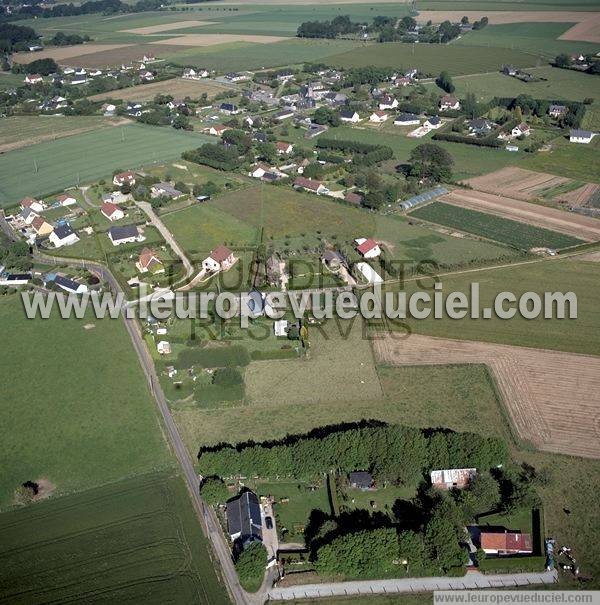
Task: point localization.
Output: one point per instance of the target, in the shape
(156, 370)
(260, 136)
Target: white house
(123, 178)
(33, 79)
(163, 347)
(220, 259)
(259, 171)
(310, 185)
(350, 116)
(449, 102)
(432, 123)
(367, 248)
(521, 130)
(218, 129)
(66, 200)
(147, 76)
(28, 215)
(580, 136)
(125, 234)
(407, 119)
(63, 235)
(284, 148)
(69, 285)
(378, 117)
(193, 74)
(452, 478)
(388, 102)
(112, 212)
(32, 204)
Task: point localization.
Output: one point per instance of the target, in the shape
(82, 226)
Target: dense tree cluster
(250, 566)
(341, 25)
(214, 491)
(62, 39)
(364, 154)
(395, 453)
(16, 37)
(367, 75)
(15, 256)
(539, 108)
(444, 81)
(216, 156)
(106, 7)
(431, 162)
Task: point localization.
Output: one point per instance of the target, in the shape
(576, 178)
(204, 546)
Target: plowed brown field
(552, 398)
(579, 226)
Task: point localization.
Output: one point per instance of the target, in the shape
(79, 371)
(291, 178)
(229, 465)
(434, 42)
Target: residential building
(433, 122)
(286, 113)
(368, 273)
(284, 148)
(163, 347)
(580, 136)
(112, 212)
(350, 116)
(27, 214)
(63, 235)
(229, 109)
(123, 178)
(556, 111)
(41, 227)
(388, 102)
(505, 543)
(407, 119)
(69, 285)
(448, 102)
(165, 189)
(149, 262)
(195, 74)
(33, 79)
(310, 185)
(124, 234)
(479, 126)
(244, 523)
(521, 129)
(361, 480)
(32, 204)
(378, 117)
(66, 200)
(367, 248)
(220, 259)
(452, 477)
(217, 130)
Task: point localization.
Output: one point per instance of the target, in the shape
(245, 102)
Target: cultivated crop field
(177, 87)
(431, 59)
(568, 223)
(22, 131)
(52, 166)
(555, 411)
(72, 425)
(133, 541)
(513, 233)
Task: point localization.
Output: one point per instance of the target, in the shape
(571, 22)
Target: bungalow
(69, 285)
(286, 113)
(33, 79)
(367, 248)
(124, 234)
(192, 74)
(452, 478)
(433, 122)
(555, 111)
(332, 259)
(350, 116)
(407, 119)
(259, 171)
(310, 185)
(580, 136)
(284, 148)
(32, 204)
(14, 279)
(112, 212)
(217, 130)
(63, 235)
(164, 189)
(41, 227)
(479, 126)
(361, 480)
(244, 522)
(505, 543)
(123, 178)
(388, 102)
(378, 117)
(521, 130)
(229, 109)
(449, 102)
(314, 130)
(235, 77)
(66, 200)
(220, 259)
(149, 262)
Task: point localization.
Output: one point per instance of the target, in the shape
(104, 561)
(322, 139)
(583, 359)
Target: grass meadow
(70, 413)
(133, 541)
(432, 58)
(513, 233)
(52, 166)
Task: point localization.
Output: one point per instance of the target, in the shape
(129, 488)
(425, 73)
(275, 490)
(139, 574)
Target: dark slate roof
(347, 114)
(433, 120)
(406, 117)
(63, 231)
(228, 107)
(361, 479)
(65, 282)
(580, 133)
(123, 232)
(243, 516)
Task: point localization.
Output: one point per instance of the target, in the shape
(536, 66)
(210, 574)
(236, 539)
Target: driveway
(270, 539)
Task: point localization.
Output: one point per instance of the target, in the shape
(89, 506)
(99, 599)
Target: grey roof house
(243, 518)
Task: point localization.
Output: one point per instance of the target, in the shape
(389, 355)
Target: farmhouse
(66, 200)
(229, 109)
(506, 543)
(406, 119)
(580, 136)
(220, 259)
(556, 111)
(125, 234)
(69, 285)
(124, 178)
(111, 211)
(149, 262)
(164, 189)
(349, 116)
(63, 235)
(367, 248)
(378, 117)
(244, 522)
(35, 205)
(521, 130)
(449, 102)
(284, 148)
(310, 185)
(41, 227)
(388, 102)
(361, 480)
(33, 79)
(452, 477)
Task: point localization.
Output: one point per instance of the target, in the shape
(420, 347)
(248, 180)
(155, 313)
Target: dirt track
(551, 397)
(576, 225)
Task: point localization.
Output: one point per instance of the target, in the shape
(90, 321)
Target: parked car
(269, 522)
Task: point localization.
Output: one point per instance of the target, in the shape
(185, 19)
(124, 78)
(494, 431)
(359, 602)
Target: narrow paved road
(156, 221)
(411, 585)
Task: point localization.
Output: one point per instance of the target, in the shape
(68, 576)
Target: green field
(10, 80)
(433, 58)
(537, 38)
(516, 234)
(133, 541)
(52, 166)
(84, 420)
(554, 84)
(591, 119)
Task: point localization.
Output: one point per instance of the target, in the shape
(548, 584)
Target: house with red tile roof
(506, 543)
(367, 248)
(220, 259)
(111, 211)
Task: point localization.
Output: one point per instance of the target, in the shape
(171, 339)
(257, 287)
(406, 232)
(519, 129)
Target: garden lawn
(85, 419)
(514, 233)
(52, 166)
